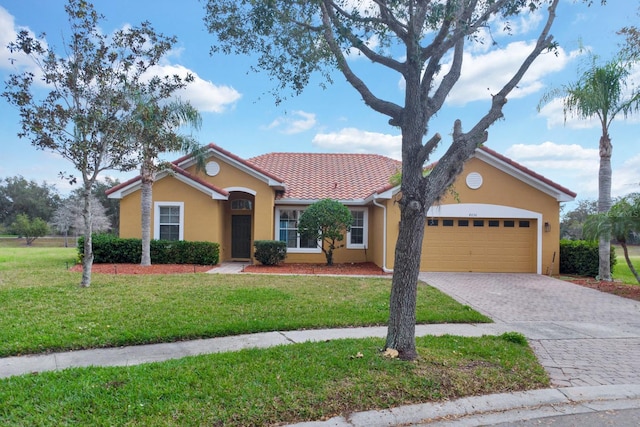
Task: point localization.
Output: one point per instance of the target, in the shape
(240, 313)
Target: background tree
(416, 39)
(601, 92)
(68, 217)
(111, 206)
(28, 228)
(154, 130)
(83, 115)
(620, 222)
(573, 221)
(20, 196)
(326, 221)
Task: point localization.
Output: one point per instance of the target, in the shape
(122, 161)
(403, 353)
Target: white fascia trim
(479, 210)
(135, 186)
(242, 189)
(125, 191)
(522, 176)
(384, 195)
(206, 190)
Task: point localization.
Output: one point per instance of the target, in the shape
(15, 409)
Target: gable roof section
(134, 184)
(178, 171)
(226, 156)
(314, 176)
(497, 160)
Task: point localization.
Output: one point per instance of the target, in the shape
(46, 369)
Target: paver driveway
(580, 335)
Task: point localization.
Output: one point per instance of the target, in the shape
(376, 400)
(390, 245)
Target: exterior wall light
(547, 227)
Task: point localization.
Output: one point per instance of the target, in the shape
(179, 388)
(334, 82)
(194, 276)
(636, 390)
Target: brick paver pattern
(581, 336)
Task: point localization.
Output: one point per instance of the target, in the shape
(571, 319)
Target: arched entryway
(241, 211)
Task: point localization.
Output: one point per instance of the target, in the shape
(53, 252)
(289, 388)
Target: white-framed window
(357, 237)
(168, 220)
(287, 231)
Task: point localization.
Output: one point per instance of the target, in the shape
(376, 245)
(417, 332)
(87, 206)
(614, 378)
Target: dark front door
(241, 236)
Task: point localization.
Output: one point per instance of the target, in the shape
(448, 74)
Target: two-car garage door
(479, 245)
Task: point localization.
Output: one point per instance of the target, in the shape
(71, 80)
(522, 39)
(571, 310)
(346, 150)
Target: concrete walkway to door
(581, 336)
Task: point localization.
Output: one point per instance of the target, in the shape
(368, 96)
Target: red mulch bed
(616, 288)
(138, 269)
(361, 268)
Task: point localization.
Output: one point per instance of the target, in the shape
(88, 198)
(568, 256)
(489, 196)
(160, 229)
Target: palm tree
(155, 131)
(622, 219)
(601, 91)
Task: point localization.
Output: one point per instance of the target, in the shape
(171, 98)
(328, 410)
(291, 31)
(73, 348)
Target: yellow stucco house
(500, 216)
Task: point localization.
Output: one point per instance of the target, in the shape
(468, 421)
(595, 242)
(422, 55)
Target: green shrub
(581, 257)
(110, 249)
(270, 252)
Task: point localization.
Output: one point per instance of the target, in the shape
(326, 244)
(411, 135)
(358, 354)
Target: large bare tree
(423, 42)
(88, 85)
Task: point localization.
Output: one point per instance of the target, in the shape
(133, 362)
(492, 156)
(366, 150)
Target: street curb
(494, 408)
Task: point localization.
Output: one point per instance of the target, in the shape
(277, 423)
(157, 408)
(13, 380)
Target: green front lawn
(285, 384)
(45, 310)
(621, 270)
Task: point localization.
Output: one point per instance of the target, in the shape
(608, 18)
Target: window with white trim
(287, 231)
(357, 237)
(168, 221)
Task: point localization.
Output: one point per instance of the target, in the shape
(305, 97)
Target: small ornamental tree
(30, 229)
(327, 221)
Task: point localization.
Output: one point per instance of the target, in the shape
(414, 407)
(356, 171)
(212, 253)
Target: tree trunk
(604, 204)
(145, 202)
(404, 286)
(87, 260)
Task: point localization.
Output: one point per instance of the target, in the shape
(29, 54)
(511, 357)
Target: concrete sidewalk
(135, 355)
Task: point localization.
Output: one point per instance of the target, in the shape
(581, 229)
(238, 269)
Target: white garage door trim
(479, 210)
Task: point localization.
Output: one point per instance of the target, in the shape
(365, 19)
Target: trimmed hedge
(580, 257)
(270, 252)
(108, 248)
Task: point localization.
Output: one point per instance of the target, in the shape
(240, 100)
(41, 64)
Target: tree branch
(384, 107)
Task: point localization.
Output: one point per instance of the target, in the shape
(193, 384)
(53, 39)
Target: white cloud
(14, 61)
(298, 122)
(359, 141)
(519, 24)
(576, 167)
(570, 165)
(485, 74)
(626, 179)
(203, 94)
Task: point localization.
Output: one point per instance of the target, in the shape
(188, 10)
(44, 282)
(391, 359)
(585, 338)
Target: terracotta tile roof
(314, 176)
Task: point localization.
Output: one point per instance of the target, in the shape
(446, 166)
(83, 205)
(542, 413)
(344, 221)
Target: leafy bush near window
(580, 257)
(270, 252)
(108, 248)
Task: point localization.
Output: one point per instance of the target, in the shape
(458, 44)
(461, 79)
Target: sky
(240, 115)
